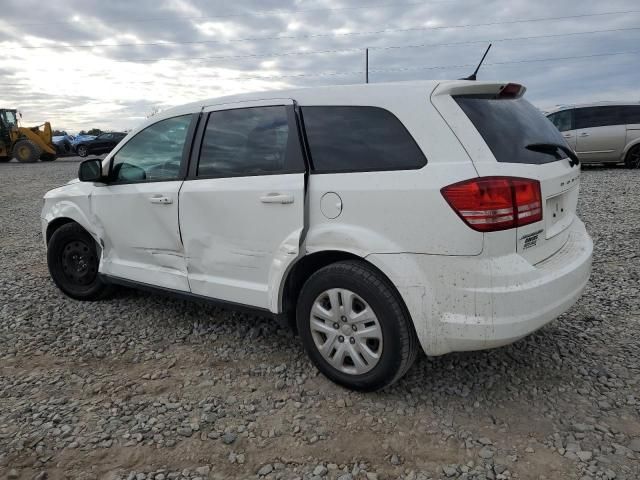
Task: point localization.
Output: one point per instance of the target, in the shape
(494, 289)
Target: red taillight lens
(489, 204)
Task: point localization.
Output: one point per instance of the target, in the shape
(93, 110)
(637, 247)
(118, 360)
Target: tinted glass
(346, 139)
(591, 117)
(631, 114)
(562, 120)
(508, 126)
(153, 154)
(246, 141)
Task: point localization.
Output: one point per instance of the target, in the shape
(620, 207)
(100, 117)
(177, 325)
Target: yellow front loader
(25, 144)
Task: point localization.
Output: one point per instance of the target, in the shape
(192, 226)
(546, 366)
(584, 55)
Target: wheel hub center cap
(346, 330)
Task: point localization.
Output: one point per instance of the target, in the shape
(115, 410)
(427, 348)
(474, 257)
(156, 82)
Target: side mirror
(90, 171)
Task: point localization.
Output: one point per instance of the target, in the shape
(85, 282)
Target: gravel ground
(145, 387)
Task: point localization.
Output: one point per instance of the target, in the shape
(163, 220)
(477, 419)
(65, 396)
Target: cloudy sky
(108, 64)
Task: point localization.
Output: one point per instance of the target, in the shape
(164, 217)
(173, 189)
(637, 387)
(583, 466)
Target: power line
(334, 34)
(359, 49)
(242, 15)
(436, 67)
(406, 69)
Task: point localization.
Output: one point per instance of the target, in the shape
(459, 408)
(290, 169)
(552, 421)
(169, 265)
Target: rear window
(508, 126)
(359, 139)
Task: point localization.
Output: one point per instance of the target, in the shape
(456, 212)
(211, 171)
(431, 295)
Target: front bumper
(474, 303)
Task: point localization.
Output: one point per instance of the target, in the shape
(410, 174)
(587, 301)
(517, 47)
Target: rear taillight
(489, 204)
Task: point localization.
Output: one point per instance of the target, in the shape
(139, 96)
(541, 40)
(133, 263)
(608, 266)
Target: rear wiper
(553, 148)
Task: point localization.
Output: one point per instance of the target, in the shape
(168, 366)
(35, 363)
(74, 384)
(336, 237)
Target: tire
(632, 159)
(391, 343)
(73, 261)
(82, 150)
(5, 159)
(26, 151)
(47, 157)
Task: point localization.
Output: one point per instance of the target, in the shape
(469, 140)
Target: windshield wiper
(553, 148)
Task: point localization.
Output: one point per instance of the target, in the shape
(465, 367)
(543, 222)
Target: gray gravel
(146, 387)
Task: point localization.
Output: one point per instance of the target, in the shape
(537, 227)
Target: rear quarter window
(508, 125)
(359, 139)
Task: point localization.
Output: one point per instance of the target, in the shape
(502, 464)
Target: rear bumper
(474, 303)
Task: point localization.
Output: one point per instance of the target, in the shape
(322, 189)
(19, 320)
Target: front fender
(73, 202)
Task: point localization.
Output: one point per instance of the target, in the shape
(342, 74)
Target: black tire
(5, 159)
(400, 343)
(82, 150)
(48, 157)
(632, 159)
(26, 151)
(73, 263)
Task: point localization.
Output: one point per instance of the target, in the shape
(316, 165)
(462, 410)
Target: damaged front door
(136, 212)
(242, 206)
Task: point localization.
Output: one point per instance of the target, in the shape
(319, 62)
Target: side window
(591, 117)
(153, 154)
(632, 114)
(249, 141)
(359, 139)
(562, 120)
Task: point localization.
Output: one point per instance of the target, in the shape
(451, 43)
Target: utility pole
(366, 65)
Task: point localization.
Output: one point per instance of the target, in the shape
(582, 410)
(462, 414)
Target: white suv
(373, 218)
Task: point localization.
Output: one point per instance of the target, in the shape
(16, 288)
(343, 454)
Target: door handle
(567, 135)
(584, 134)
(277, 198)
(161, 199)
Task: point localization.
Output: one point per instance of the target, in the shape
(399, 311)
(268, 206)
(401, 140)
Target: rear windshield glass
(508, 126)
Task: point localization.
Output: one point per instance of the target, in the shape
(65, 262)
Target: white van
(373, 218)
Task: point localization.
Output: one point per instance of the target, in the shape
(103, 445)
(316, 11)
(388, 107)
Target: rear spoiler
(466, 87)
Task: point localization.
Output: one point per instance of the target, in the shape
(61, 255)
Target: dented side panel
(141, 238)
(237, 245)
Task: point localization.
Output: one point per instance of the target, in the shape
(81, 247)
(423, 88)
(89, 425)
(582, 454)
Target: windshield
(509, 126)
(10, 118)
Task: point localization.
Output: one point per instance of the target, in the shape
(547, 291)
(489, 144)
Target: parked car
(63, 143)
(103, 143)
(375, 219)
(601, 132)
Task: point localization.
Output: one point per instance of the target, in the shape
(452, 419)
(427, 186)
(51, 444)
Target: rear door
(242, 206)
(496, 132)
(600, 133)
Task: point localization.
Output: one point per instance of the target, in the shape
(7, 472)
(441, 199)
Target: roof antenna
(474, 75)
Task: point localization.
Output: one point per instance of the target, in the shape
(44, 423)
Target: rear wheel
(633, 158)
(355, 327)
(48, 157)
(4, 159)
(73, 263)
(82, 150)
(26, 151)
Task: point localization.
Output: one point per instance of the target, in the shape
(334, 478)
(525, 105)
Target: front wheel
(48, 157)
(633, 158)
(354, 326)
(73, 261)
(26, 151)
(4, 159)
